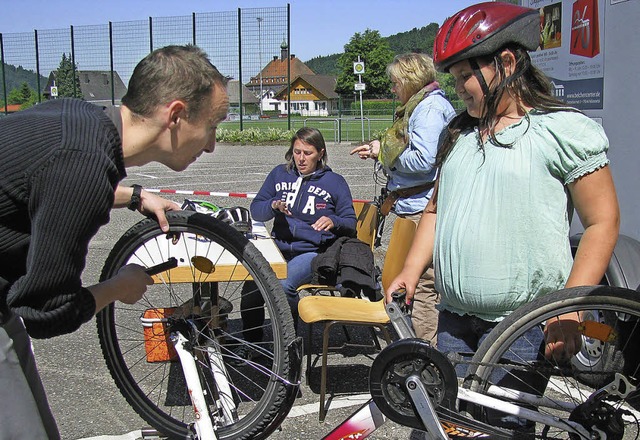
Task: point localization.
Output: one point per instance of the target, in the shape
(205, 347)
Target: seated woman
(311, 206)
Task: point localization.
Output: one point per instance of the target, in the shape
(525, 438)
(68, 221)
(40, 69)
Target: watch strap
(134, 203)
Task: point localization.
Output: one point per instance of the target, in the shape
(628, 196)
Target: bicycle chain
(549, 370)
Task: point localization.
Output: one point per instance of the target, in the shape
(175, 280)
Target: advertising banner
(570, 51)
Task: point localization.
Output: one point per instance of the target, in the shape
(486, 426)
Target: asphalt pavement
(81, 392)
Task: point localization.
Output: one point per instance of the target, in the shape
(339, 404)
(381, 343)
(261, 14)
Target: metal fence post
(4, 77)
(73, 65)
(240, 67)
(193, 26)
(35, 37)
(150, 34)
(113, 86)
(288, 66)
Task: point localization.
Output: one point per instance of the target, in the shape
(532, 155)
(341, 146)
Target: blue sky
(318, 27)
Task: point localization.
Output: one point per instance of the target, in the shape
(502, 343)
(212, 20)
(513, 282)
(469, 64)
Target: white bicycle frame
(202, 424)
(495, 399)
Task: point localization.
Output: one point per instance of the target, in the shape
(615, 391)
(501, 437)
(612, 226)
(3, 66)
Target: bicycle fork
(203, 425)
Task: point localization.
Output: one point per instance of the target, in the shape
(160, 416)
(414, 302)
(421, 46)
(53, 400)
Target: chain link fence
(239, 43)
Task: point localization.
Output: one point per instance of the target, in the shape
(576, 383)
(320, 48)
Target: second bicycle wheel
(214, 264)
(554, 387)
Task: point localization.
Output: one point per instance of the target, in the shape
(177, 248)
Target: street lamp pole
(260, 58)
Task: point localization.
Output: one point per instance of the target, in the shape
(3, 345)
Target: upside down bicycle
(172, 354)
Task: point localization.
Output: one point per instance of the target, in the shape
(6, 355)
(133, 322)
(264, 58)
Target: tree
(25, 96)
(376, 54)
(67, 79)
(448, 86)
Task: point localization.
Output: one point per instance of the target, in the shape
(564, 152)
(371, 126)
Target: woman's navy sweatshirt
(322, 193)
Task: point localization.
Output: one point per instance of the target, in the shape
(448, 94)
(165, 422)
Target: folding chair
(332, 310)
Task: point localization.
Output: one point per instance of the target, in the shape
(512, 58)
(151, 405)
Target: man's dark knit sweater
(60, 163)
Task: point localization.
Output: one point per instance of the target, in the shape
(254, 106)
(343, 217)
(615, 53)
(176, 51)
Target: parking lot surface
(81, 392)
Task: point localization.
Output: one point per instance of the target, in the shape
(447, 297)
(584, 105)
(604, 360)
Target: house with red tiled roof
(311, 95)
(11, 108)
(273, 77)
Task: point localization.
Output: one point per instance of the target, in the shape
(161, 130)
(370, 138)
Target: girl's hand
(324, 223)
(402, 282)
(562, 337)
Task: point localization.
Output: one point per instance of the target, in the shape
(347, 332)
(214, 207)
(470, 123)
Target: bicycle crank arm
(424, 407)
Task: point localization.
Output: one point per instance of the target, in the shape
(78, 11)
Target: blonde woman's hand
(367, 151)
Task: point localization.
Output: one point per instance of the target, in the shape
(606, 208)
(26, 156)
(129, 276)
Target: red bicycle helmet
(482, 29)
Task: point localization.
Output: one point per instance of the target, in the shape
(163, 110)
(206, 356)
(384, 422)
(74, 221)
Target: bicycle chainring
(395, 363)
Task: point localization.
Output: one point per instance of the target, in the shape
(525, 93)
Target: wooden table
(225, 266)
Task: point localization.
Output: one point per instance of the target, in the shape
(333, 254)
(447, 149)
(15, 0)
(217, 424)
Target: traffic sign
(358, 67)
(360, 86)
(54, 91)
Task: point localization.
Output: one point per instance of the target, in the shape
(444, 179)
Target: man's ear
(508, 61)
(176, 110)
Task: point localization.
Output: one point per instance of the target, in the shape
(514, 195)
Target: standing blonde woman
(407, 153)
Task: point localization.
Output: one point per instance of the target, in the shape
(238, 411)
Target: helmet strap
(478, 74)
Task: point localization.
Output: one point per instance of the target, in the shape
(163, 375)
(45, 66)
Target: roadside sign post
(358, 69)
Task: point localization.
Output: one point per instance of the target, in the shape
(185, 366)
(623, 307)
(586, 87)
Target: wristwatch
(134, 203)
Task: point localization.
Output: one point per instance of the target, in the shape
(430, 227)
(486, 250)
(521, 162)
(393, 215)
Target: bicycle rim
(134, 343)
(498, 368)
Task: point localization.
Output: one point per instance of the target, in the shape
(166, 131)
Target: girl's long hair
(528, 86)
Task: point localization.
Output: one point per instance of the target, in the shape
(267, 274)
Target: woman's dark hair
(527, 84)
(311, 136)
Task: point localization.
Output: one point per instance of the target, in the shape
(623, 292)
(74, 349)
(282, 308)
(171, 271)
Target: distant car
(596, 359)
(233, 117)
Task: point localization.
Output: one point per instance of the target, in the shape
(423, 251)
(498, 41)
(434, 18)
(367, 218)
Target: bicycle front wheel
(554, 387)
(214, 264)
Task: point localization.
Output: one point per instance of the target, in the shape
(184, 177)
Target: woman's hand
(367, 151)
(279, 205)
(324, 223)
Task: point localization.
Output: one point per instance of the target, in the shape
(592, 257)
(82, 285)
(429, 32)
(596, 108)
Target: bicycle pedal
(151, 434)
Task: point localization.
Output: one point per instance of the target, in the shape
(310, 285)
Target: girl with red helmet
(513, 166)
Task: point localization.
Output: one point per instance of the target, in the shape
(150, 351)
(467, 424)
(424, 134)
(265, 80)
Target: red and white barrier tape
(202, 193)
(214, 193)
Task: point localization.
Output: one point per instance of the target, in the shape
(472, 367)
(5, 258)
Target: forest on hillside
(415, 40)
(18, 75)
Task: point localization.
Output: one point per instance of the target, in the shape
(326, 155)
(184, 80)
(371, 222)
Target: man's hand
(127, 286)
(562, 337)
(151, 204)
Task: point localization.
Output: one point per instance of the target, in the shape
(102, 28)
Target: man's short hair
(170, 73)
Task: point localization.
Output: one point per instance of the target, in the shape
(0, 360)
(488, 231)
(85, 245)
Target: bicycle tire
(156, 390)
(560, 381)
